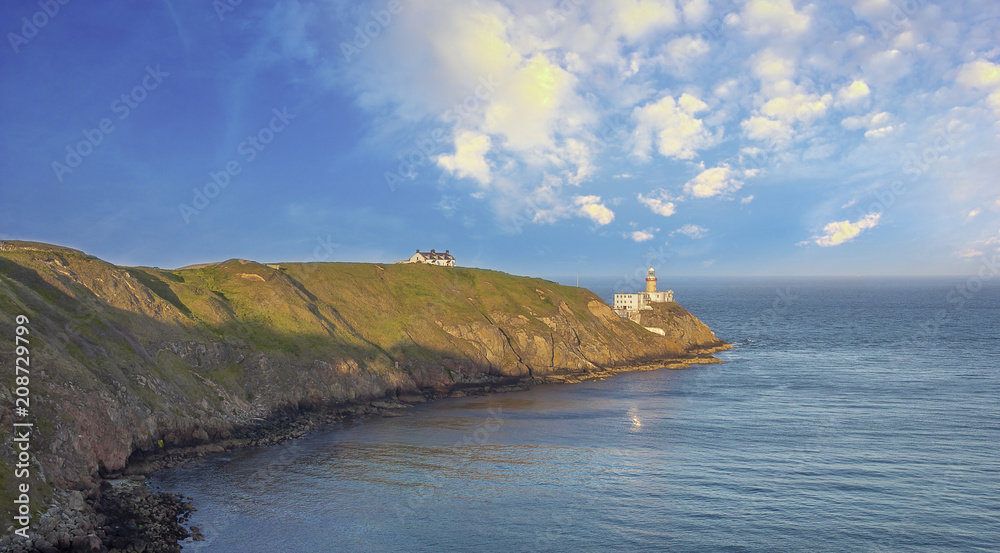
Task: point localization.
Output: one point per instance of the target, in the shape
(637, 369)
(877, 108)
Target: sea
(854, 414)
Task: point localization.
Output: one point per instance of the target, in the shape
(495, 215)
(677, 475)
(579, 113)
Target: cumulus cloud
(531, 104)
(681, 53)
(773, 17)
(520, 97)
(979, 74)
(783, 105)
(592, 208)
(838, 232)
(678, 133)
(876, 125)
(797, 106)
(887, 66)
(634, 19)
(692, 231)
(853, 94)
(469, 159)
(696, 12)
(641, 235)
(659, 206)
(713, 182)
(771, 65)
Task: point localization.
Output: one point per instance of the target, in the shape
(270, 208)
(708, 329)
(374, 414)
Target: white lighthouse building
(628, 304)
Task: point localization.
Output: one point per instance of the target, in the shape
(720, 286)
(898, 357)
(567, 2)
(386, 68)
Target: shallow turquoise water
(829, 428)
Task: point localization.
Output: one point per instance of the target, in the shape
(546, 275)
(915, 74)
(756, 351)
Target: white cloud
(972, 214)
(773, 17)
(797, 107)
(968, 253)
(853, 94)
(982, 75)
(592, 208)
(577, 153)
(681, 53)
(692, 231)
(677, 132)
(641, 236)
(696, 12)
(887, 66)
(634, 19)
(659, 206)
(713, 182)
(531, 103)
(876, 125)
(746, 200)
(979, 74)
(838, 232)
(906, 40)
(770, 65)
(873, 8)
(469, 160)
(784, 105)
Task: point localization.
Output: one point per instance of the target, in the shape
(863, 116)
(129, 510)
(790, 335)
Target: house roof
(435, 256)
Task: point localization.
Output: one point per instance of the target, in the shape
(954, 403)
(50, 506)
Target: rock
(75, 501)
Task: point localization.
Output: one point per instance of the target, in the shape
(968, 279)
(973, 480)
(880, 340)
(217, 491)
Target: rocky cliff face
(128, 361)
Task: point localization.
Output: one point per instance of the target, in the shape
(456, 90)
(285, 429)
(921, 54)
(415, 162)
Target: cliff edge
(129, 362)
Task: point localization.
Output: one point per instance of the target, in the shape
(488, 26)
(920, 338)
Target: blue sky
(705, 137)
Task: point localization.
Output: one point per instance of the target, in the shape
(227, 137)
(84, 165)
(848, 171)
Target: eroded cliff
(128, 361)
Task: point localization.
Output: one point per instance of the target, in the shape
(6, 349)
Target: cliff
(136, 361)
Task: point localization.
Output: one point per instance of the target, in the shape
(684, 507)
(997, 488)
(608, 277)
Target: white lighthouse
(627, 304)
(651, 281)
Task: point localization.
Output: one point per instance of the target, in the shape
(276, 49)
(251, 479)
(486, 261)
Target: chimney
(432, 251)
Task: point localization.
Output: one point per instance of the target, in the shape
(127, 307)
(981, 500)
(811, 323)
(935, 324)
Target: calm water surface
(829, 428)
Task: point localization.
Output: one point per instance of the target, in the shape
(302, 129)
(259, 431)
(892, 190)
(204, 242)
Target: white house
(432, 258)
(630, 304)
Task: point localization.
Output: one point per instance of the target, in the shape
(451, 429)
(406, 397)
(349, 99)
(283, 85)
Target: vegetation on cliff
(134, 360)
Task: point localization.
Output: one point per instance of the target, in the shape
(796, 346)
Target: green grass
(373, 314)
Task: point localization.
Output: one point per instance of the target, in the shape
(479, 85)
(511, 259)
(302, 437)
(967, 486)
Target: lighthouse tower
(650, 281)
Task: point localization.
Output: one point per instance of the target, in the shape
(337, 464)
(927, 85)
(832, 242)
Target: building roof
(437, 256)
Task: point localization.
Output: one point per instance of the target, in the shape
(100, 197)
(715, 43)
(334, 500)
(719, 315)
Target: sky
(703, 137)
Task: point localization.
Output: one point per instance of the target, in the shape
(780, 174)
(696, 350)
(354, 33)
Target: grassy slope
(124, 352)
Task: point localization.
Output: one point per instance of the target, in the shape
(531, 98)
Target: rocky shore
(138, 368)
(121, 514)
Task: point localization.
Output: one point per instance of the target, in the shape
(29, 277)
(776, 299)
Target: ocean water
(851, 415)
